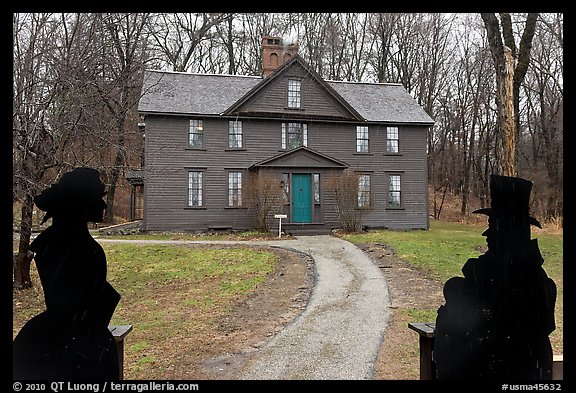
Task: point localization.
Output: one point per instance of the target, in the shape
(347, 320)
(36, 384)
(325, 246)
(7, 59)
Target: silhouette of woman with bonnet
(70, 339)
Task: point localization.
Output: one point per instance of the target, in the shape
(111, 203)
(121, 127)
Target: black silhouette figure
(496, 321)
(70, 340)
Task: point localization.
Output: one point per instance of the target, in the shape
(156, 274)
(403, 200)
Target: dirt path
(411, 292)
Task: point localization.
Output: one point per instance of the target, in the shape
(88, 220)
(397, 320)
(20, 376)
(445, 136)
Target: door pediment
(301, 157)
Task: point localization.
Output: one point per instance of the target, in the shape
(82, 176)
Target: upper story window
(362, 139)
(294, 135)
(235, 134)
(392, 140)
(196, 134)
(293, 93)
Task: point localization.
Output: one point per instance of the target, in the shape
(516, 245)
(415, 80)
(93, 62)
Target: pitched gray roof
(178, 92)
(382, 102)
(211, 94)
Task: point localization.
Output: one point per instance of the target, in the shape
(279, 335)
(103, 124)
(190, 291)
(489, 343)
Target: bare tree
(544, 115)
(34, 121)
(435, 53)
(382, 28)
(471, 90)
(177, 35)
(263, 195)
(511, 64)
(227, 34)
(344, 192)
(119, 84)
(407, 45)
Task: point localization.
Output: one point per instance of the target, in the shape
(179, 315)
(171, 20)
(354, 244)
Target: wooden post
(120, 332)
(558, 367)
(425, 331)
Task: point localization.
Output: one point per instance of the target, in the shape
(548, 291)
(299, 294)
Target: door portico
(300, 173)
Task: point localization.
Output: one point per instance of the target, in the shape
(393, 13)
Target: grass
(414, 314)
(442, 251)
(170, 294)
(240, 235)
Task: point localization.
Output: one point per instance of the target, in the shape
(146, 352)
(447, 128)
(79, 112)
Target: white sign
(280, 217)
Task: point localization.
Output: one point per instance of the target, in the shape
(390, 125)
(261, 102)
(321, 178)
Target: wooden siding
(315, 101)
(168, 161)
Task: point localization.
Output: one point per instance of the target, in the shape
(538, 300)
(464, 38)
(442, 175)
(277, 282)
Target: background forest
(77, 80)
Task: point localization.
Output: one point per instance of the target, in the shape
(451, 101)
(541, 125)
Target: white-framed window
(195, 188)
(196, 134)
(234, 189)
(286, 187)
(362, 139)
(294, 135)
(392, 145)
(235, 134)
(364, 190)
(316, 183)
(394, 191)
(294, 93)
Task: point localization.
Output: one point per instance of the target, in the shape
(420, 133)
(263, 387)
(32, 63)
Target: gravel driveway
(338, 335)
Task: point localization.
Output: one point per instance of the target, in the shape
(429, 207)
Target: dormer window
(293, 93)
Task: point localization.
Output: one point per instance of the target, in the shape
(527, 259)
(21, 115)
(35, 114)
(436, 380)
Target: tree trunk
(438, 210)
(506, 113)
(230, 45)
(21, 266)
(523, 61)
(115, 172)
(509, 77)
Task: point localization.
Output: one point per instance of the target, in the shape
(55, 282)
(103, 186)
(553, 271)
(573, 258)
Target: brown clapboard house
(204, 135)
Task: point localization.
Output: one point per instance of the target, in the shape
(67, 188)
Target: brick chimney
(275, 52)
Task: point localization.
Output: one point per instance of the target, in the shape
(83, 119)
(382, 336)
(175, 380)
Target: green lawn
(442, 251)
(242, 235)
(172, 295)
(175, 294)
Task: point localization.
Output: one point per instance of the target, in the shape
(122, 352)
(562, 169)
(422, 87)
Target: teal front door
(301, 198)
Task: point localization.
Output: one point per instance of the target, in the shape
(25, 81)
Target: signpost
(280, 217)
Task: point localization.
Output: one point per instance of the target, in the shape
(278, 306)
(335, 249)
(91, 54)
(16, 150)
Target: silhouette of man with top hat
(70, 339)
(496, 320)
